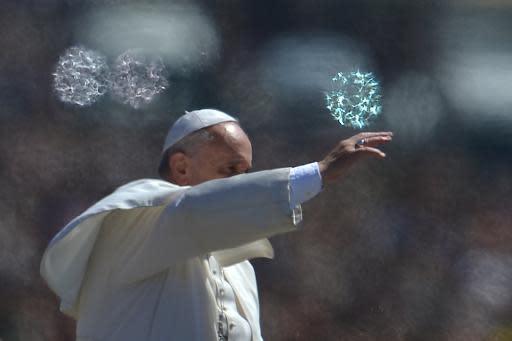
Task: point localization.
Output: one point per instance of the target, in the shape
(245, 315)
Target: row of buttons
(226, 302)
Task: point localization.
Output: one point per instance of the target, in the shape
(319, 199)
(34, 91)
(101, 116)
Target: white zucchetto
(193, 121)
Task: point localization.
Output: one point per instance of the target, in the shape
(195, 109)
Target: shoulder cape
(64, 262)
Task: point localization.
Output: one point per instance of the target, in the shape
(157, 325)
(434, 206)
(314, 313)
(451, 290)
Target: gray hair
(187, 145)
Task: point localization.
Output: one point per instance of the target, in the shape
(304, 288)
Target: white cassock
(156, 261)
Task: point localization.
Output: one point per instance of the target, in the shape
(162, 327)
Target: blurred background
(415, 247)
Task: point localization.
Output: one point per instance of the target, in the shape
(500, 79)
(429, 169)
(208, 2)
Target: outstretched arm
(229, 212)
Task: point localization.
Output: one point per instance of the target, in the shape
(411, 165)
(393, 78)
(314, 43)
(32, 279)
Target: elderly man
(168, 260)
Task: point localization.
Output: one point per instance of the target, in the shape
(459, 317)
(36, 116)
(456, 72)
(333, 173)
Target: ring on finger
(360, 143)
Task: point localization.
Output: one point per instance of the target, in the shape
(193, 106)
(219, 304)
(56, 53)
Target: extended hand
(349, 151)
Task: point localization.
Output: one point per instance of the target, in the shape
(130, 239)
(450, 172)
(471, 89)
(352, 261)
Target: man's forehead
(230, 139)
(228, 132)
(232, 128)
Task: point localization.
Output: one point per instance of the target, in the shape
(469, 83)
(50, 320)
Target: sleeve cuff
(305, 183)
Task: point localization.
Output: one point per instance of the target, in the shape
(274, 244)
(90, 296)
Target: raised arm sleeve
(216, 215)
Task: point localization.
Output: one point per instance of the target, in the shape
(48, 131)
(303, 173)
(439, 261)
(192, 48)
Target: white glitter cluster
(137, 77)
(81, 76)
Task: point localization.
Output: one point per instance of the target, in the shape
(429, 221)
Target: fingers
(370, 151)
(372, 134)
(349, 151)
(377, 140)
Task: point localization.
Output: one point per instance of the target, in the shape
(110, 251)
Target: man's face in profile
(228, 153)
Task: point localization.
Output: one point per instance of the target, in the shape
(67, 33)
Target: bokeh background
(415, 247)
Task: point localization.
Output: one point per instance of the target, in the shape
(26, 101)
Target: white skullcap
(193, 121)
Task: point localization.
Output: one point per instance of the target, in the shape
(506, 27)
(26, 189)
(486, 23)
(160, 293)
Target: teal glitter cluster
(355, 99)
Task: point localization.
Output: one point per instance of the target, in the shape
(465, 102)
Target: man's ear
(179, 169)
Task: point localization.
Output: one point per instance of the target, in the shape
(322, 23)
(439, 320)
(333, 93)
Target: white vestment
(134, 266)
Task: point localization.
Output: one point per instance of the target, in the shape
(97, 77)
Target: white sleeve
(216, 215)
(305, 183)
